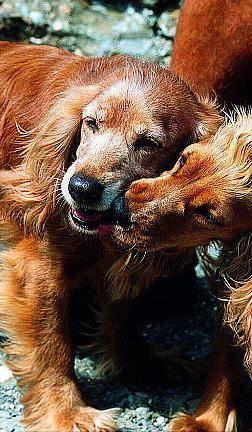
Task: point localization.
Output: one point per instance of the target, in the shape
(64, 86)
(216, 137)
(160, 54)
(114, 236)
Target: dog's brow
(89, 111)
(101, 115)
(157, 133)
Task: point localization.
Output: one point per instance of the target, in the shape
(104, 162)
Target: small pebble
(5, 374)
(36, 17)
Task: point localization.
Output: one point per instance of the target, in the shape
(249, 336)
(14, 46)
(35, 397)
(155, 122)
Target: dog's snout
(85, 190)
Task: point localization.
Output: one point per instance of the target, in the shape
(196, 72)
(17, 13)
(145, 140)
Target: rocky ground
(143, 409)
(145, 29)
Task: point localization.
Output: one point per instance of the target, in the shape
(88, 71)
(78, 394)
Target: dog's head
(206, 196)
(134, 125)
(119, 122)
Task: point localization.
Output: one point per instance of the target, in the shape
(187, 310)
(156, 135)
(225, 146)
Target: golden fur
(208, 56)
(115, 119)
(237, 277)
(207, 196)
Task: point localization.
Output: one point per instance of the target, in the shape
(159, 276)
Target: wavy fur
(46, 97)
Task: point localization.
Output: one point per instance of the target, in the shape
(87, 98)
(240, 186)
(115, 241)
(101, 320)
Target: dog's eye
(145, 143)
(204, 211)
(92, 124)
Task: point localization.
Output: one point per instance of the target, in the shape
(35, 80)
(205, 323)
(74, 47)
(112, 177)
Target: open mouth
(102, 221)
(92, 220)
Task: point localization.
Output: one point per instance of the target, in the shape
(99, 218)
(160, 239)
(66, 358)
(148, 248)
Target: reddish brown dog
(213, 48)
(75, 132)
(206, 196)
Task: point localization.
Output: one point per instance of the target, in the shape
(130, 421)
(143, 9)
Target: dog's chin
(137, 239)
(91, 222)
(132, 238)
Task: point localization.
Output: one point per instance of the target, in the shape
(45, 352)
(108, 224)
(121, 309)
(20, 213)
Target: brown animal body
(75, 132)
(207, 196)
(213, 48)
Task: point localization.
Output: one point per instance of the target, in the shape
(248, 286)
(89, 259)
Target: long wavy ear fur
(29, 193)
(238, 310)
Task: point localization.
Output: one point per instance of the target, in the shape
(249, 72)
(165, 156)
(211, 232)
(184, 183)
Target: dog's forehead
(125, 89)
(136, 106)
(124, 95)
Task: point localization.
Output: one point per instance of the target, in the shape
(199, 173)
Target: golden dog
(75, 132)
(207, 196)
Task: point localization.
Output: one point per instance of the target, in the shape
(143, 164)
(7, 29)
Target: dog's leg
(34, 301)
(216, 411)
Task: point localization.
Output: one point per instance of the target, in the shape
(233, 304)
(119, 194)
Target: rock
(5, 374)
(60, 26)
(36, 17)
(167, 25)
(150, 3)
(160, 421)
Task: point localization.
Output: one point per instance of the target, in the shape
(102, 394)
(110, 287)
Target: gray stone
(92, 29)
(167, 25)
(36, 17)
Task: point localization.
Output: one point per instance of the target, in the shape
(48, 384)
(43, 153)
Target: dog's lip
(86, 216)
(93, 220)
(105, 228)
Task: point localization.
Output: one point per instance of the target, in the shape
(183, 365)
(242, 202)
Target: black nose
(85, 190)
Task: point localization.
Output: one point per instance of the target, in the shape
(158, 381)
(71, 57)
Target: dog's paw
(80, 419)
(92, 420)
(187, 423)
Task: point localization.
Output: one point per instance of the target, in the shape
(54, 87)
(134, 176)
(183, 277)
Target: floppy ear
(209, 118)
(237, 278)
(29, 192)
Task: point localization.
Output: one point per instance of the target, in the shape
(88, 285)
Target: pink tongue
(105, 229)
(94, 217)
